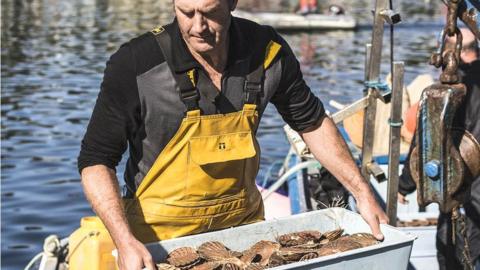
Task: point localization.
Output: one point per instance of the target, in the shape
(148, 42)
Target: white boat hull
(291, 21)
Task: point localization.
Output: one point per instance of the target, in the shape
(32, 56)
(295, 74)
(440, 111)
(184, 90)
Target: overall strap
(186, 81)
(253, 86)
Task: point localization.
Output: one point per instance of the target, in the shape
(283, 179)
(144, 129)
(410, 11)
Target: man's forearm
(101, 188)
(329, 148)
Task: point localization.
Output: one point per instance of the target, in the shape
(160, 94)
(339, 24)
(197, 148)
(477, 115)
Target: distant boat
(292, 21)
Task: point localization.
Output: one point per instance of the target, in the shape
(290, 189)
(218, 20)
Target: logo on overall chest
(222, 146)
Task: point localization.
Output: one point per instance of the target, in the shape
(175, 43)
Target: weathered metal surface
(436, 163)
(370, 110)
(451, 24)
(377, 40)
(447, 57)
(470, 152)
(374, 169)
(452, 60)
(372, 69)
(394, 147)
(367, 145)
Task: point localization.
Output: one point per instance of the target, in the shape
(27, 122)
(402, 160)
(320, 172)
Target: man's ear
(233, 4)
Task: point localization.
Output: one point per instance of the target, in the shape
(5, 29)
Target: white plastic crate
(393, 253)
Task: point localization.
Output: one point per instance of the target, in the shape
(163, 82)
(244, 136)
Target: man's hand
(372, 213)
(101, 189)
(133, 255)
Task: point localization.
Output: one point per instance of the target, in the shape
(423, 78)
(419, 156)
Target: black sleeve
(297, 105)
(110, 124)
(406, 185)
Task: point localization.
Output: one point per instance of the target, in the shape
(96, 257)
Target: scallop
(214, 251)
(184, 257)
(299, 238)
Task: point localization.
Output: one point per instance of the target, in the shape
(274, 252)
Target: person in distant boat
(307, 7)
(467, 117)
(186, 99)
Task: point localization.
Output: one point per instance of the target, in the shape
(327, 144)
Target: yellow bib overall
(204, 179)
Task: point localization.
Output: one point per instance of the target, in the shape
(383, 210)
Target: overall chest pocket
(216, 165)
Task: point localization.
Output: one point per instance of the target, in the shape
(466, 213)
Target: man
(467, 117)
(187, 98)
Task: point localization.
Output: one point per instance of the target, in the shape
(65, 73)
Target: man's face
(204, 24)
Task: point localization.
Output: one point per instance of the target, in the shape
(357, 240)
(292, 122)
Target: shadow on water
(52, 58)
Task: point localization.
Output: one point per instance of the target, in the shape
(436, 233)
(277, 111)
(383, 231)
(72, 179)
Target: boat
(293, 21)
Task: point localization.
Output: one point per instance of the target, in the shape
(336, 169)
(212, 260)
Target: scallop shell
(333, 235)
(260, 252)
(166, 266)
(299, 238)
(214, 251)
(208, 266)
(255, 266)
(339, 245)
(276, 260)
(231, 266)
(292, 253)
(236, 254)
(364, 239)
(310, 246)
(184, 257)
(309, 256)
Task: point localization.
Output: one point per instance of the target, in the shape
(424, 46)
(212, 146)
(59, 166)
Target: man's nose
(199, 23)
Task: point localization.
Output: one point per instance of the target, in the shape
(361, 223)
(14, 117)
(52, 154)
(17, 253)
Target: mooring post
(395, 122)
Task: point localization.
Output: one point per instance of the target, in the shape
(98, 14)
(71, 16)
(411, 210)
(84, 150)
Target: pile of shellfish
(288, 248)
(418, 222)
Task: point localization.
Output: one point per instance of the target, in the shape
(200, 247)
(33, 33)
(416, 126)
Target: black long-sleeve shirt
(139, 107)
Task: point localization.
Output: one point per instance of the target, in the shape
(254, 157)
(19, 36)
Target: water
(53, 55)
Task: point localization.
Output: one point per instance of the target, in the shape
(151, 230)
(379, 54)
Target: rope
(33, 261)
(269, 173)
(466, 258)
(287, 174)
(90, 234)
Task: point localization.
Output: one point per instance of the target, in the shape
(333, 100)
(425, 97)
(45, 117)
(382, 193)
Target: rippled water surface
(53, 55)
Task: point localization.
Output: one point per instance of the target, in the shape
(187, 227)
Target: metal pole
(367, 144)
(394, 148)
(368, 53)
(377, 40)
(373, 72)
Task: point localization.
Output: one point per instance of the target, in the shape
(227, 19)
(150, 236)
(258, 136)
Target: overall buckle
(252, 90)
(190, 98)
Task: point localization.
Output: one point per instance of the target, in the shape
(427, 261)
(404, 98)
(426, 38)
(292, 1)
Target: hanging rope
(458, 225)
